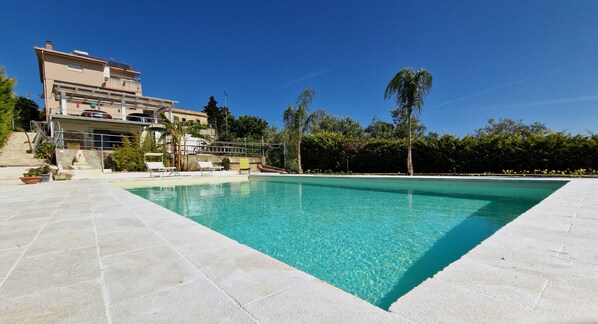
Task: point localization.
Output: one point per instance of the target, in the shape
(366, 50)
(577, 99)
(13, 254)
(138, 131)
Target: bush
(225, 163)
(46, 151)
(36, 172)
(129, 156)
(7, 105)
(450, 154)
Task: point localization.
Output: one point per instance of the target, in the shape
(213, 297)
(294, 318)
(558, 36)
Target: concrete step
(14, 152)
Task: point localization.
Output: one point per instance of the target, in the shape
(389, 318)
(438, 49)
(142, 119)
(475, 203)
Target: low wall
(191, 161)
(77, 159)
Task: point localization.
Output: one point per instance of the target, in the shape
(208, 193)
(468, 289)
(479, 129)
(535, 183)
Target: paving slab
(440, 302)
(8, 258)
(83, 303)
(51, 271)
(54, 242)
(113, 242)
(315, 301)
(134, 274)
(19, 239)
(196, 302)
(244, 273)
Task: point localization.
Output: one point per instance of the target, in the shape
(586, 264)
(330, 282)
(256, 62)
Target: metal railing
(231, 148)
(108, 141)
(87, 141)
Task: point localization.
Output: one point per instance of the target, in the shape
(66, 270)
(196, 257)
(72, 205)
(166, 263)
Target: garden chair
(244, 165)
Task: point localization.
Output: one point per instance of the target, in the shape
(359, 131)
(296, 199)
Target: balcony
(123, 84)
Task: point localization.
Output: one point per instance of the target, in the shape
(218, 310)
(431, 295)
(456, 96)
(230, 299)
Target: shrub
(36, 172)
(129, 156)
(46, 151)
(225, 163)
(450, 154)
(7, 105)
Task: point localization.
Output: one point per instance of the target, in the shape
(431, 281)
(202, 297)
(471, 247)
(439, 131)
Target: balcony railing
(123, 84)
(108, 141)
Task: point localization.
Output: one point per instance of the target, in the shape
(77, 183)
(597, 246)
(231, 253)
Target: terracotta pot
(31, 180)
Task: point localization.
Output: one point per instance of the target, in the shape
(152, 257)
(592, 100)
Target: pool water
(376, 240)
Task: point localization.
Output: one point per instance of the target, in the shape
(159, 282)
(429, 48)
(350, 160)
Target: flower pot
(31, 180)
(45, 177)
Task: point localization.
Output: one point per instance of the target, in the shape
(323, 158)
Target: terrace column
(170, 113)
(62, 103)
(123, 110)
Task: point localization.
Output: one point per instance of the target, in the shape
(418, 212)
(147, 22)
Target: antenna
(226, 111)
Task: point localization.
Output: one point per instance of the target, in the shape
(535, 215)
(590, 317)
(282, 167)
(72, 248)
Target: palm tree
(177, 132)
(409, 87)
(298, 119)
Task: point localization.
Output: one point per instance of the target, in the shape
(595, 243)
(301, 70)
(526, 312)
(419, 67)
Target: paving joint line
(540, 295)
(105, 293)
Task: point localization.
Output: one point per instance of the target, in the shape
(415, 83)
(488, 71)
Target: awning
(75, 92)
(99, 120)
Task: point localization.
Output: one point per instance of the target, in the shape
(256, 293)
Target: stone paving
(86, 251)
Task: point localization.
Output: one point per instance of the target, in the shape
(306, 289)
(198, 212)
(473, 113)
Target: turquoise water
(376, 240)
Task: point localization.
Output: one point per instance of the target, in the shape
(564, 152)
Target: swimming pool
(376, 238)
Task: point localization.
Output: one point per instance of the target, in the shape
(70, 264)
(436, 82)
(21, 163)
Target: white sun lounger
(201, 166)
(160, 168)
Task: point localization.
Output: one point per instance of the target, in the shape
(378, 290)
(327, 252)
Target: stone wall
(74, 159)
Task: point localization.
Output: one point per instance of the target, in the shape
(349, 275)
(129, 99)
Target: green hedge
(7, 104)
(329, 152)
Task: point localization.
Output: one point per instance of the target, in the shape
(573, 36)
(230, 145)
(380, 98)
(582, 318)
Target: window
(184, 119)
(75, 67)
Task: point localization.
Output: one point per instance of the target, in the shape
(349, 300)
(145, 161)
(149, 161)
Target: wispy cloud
(551, 102)
(504, 85)
(306, 77)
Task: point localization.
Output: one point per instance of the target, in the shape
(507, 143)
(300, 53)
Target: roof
(76, 92)
(40, 51)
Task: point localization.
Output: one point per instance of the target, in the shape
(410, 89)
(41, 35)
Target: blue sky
(530, 60)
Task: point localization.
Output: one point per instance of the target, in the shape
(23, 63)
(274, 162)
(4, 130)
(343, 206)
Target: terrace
(88, 250)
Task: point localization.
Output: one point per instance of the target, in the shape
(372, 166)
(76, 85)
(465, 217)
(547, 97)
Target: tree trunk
(299, 169)
(409, 161)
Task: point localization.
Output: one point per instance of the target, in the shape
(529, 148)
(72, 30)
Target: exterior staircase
(14, 153)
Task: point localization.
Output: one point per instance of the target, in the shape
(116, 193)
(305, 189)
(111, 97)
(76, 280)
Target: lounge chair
(160, 168)
(201, 166)
(244, 165)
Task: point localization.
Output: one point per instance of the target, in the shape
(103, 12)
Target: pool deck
(87, 251)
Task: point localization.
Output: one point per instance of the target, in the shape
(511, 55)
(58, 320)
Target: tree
(220, 119)
(26, 110)
(297, 120)
(511, 127)
(399, 116)
(250, 127)
(212, 110)
(7, 104)
(380, 129)
(175, 133)
(323, 122)
(409, 87)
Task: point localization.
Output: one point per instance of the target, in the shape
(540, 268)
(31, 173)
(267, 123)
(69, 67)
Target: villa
(91, 103)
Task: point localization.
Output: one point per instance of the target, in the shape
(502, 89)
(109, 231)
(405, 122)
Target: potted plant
(32, 176)
(46, 172)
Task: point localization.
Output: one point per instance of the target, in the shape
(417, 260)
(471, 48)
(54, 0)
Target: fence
(106, 141)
